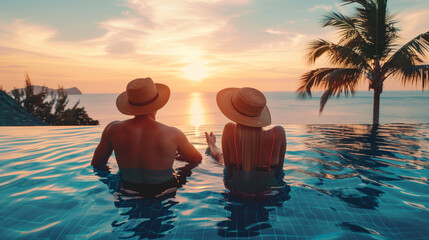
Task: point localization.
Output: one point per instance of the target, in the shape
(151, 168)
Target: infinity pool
(346, 182)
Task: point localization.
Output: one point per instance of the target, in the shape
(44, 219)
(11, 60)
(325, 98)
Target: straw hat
(142, 96)
(246, 106)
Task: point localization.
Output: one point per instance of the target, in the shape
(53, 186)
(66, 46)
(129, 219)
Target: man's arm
(103, 151)
(186, 150)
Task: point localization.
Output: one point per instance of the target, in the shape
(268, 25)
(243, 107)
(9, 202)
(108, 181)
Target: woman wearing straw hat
(144, 148)
(253, 156)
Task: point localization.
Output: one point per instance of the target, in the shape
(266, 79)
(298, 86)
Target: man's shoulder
(168, 129)
(113, 125)
(174, 130)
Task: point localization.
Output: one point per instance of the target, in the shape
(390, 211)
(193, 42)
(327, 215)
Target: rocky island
(37, 89)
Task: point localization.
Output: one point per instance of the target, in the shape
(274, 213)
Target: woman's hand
(215, 152)
(210, 139)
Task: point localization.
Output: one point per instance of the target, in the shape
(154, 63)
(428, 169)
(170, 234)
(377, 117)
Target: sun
(195, 71)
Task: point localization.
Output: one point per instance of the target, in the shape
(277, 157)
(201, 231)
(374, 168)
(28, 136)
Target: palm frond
(377, 28)
(414, 74)
(324, 99)
(340, 81)
(338, 20)
(361, 2)
(391, 30)
(338, 55)
(312, 79)
(336, 81)
(317, 49)
(409, 54)
(351, 36)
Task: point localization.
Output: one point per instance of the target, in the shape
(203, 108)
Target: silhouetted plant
(365, 51)
(62, 100)
(37, 105)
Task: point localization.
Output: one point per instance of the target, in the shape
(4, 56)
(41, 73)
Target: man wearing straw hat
(144, 148)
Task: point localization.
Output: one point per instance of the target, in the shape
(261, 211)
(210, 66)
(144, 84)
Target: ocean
(201, 109)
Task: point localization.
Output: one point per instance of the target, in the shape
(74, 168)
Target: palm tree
(365, 50)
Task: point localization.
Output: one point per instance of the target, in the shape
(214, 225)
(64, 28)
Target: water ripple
(346, 181)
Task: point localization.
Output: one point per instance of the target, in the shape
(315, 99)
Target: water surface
(346, 182)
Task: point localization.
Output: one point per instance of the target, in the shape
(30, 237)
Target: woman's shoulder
(229, 128)
(278, 129)
(279, 133)
(229, 125)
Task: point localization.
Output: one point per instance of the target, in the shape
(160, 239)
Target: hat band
(236, 109)
(144, 103)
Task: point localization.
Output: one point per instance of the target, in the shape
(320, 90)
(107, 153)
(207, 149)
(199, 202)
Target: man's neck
(150, 116)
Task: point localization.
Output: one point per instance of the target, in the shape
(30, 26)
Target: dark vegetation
(51, 110)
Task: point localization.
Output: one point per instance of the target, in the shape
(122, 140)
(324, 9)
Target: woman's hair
(248, 140)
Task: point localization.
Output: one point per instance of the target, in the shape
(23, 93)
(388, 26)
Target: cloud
(412, 23)
(292, 39)
(166, 28)
(340, 8)
(28, 32)
(322, 7)
(14, 66)
(120, 47)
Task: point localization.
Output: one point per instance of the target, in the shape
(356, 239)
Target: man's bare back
(142, 142)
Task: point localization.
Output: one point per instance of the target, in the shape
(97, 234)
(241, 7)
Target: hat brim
(224, 102)
(126, 108)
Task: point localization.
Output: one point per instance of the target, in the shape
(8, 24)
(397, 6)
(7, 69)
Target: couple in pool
(146, 149)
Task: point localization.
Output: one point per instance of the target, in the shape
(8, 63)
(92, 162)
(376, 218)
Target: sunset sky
(200, 45)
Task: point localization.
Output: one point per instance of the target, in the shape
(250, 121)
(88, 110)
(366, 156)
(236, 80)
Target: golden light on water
(196, 112)
(195, 71)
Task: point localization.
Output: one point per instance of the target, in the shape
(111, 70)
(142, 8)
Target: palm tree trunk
(377, 85)
(376, 108)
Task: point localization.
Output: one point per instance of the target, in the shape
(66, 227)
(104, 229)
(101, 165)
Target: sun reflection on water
(196, 112)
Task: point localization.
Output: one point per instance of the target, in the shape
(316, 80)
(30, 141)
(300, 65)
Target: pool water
(345, 182)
